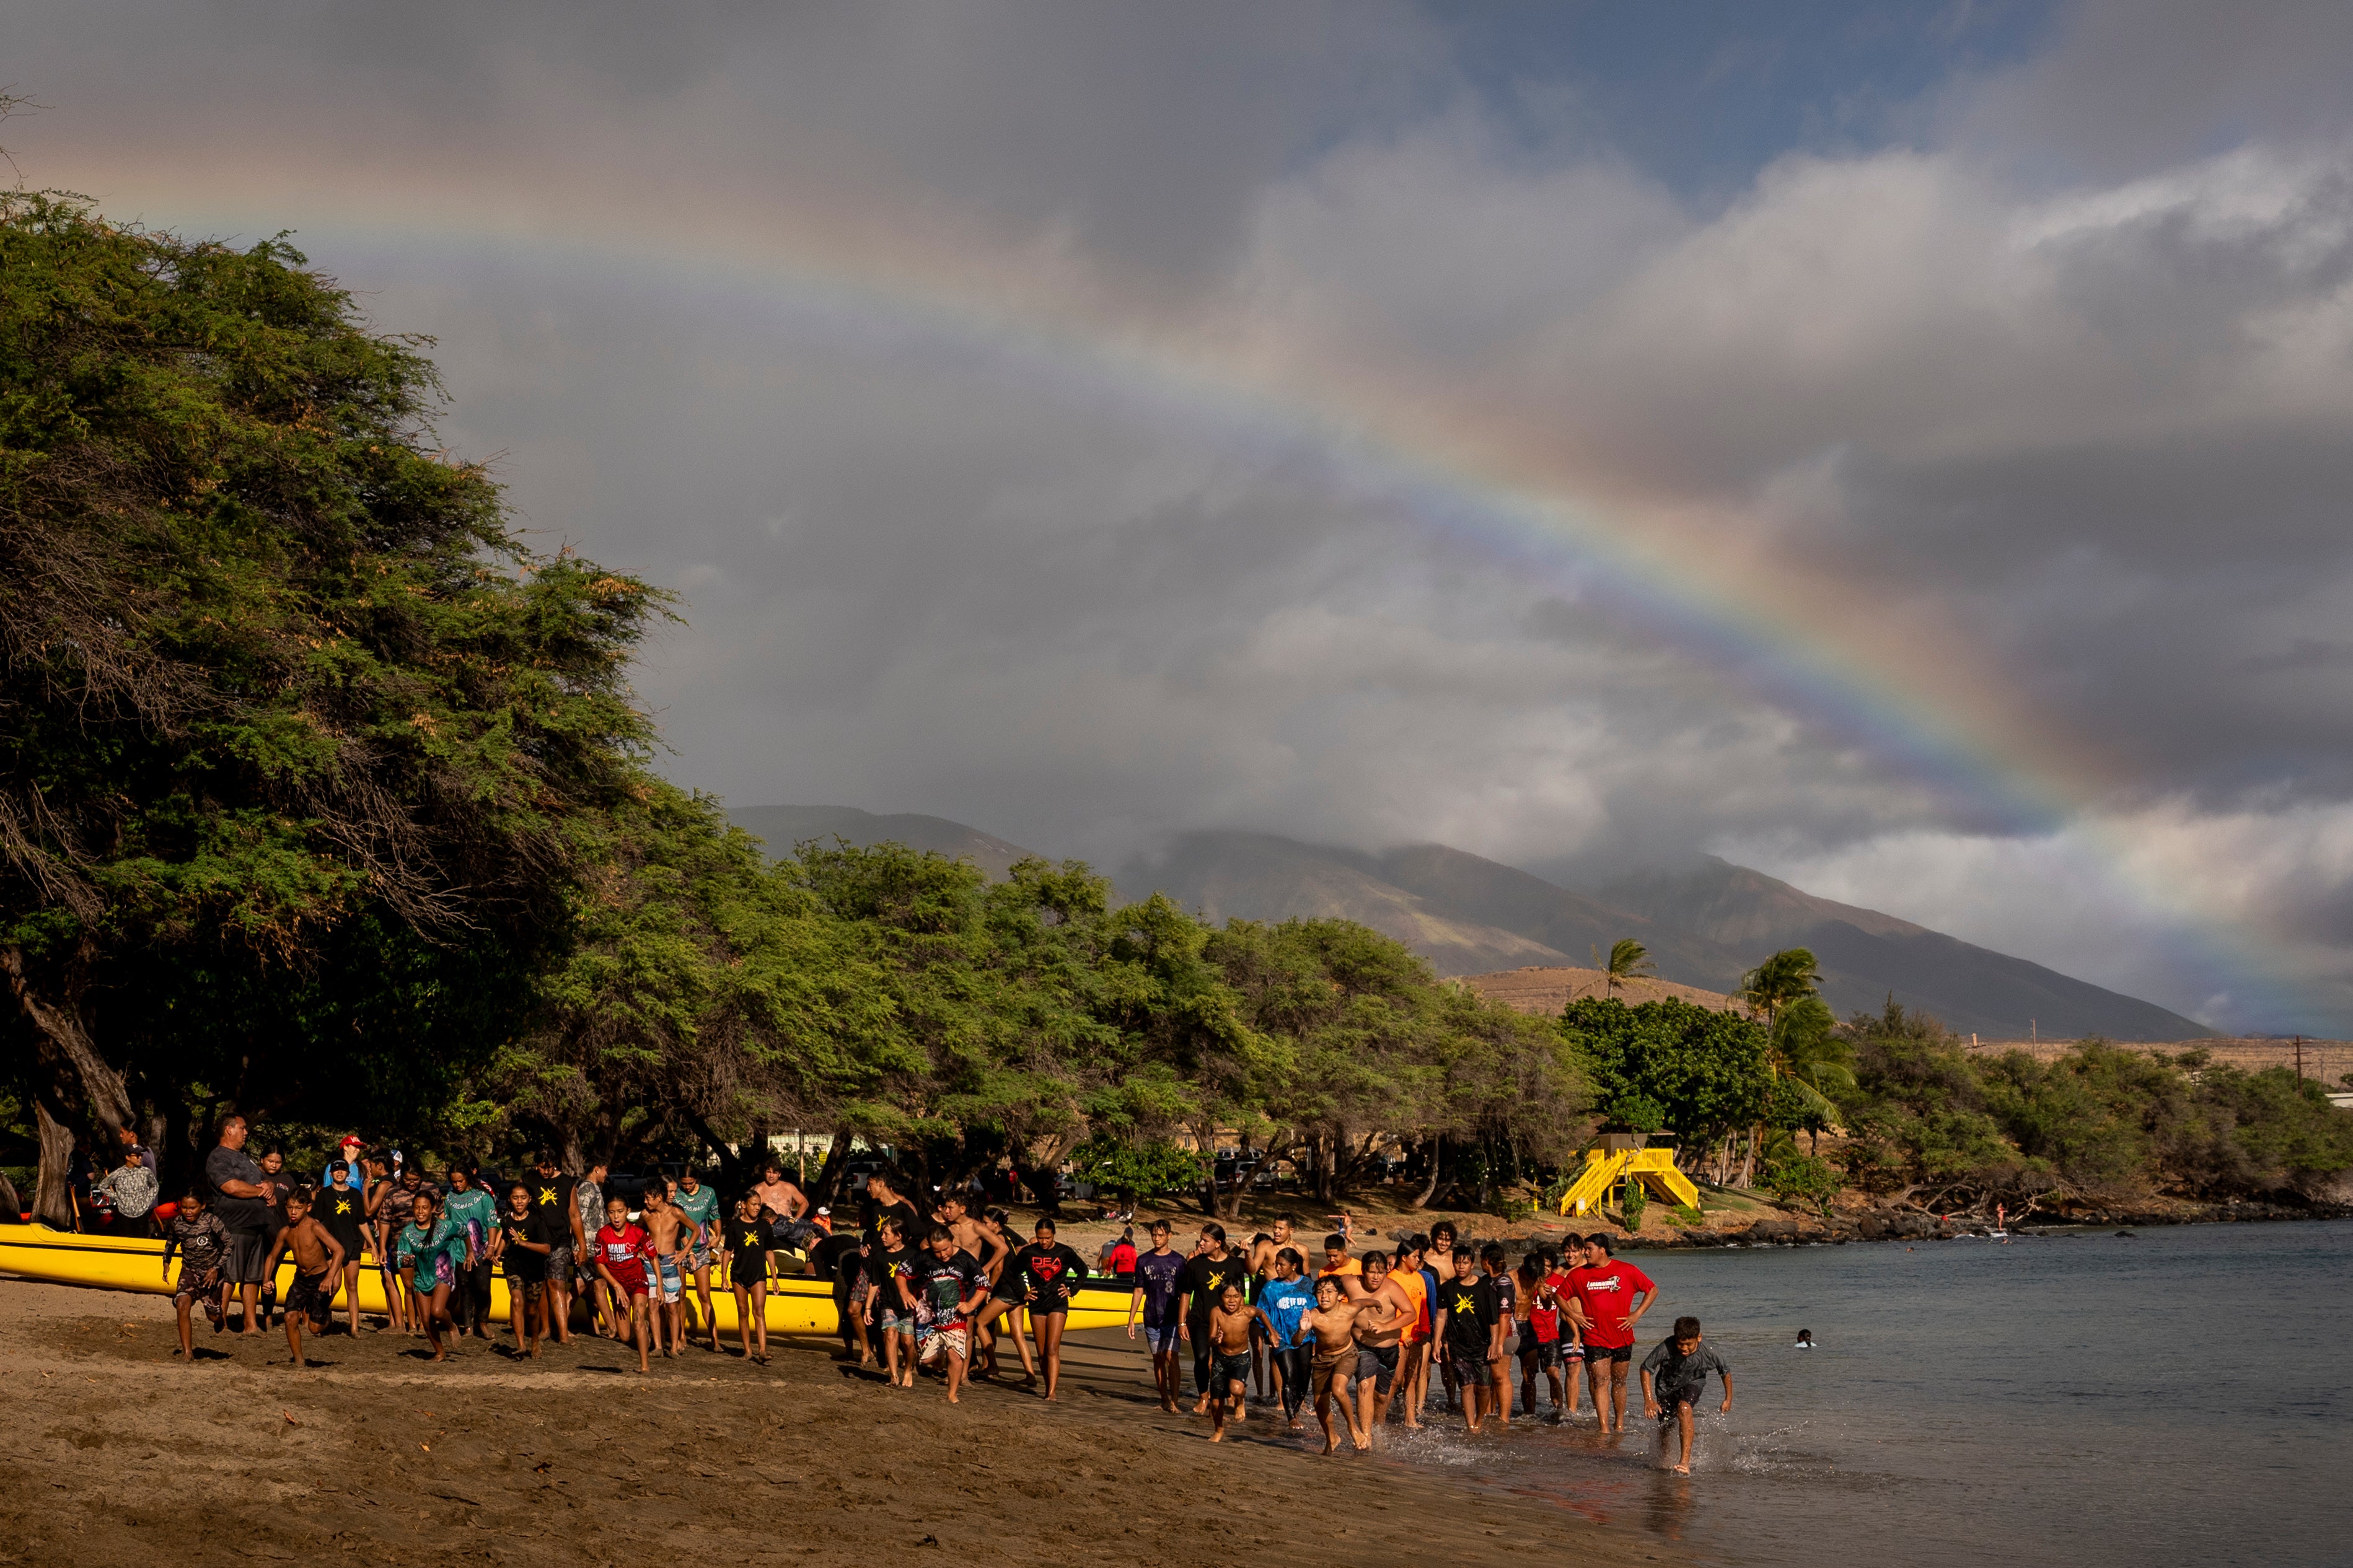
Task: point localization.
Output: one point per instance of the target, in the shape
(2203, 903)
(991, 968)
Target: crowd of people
(1373, 1337)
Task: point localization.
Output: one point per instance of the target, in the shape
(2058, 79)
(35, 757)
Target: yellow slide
(796, 1305)
(1605, 1169)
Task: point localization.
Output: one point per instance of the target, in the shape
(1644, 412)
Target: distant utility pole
(2299, 1058)
(2034, 1027)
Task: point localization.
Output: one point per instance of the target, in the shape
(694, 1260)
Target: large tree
(277, 673)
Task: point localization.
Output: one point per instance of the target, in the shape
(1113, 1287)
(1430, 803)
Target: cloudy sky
(1905, 448)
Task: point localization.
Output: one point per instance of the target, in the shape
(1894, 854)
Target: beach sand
(121, 1454)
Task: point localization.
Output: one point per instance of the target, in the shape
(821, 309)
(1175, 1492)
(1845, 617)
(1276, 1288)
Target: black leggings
(1204, 1358)
(469, 1300)
(1292, 1364)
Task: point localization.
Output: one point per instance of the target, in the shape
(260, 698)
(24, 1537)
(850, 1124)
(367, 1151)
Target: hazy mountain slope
(786, 825)
(1256, 876)
(1494, 894)
(1865, 955)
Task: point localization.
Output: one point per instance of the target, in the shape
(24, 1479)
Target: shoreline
(377, 1455)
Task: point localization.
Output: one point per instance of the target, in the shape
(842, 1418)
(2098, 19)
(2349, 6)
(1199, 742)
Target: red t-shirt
(622, 1251)
(1123, 1259)
(1606, 1295)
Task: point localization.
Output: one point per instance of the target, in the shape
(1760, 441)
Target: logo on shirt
(547, 1195)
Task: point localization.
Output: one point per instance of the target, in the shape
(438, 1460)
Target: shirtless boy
(1229, 1349)
(1333, 1324)
(318, 1266)
(671, 1234)
(1383, 1315)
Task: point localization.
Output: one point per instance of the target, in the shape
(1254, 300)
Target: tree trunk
(12, 1207)
(68, 1050)
(1429, 1187)
(827, 1188)
(53, 1197)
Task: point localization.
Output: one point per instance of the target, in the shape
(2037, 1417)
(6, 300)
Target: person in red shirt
(1567, 1353)
(622, 1251)
(1602, 1304)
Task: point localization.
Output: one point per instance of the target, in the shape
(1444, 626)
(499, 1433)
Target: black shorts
(1605, 1352)
(1469, 1363)
(313, 1296)
(1669, 1398)
(1379, 1363)
(249, 1257)
(749, 1268)
(1231, 1368)
(1547, 1355)
(1012, 1288)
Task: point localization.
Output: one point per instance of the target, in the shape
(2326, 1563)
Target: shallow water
(2182, 1396)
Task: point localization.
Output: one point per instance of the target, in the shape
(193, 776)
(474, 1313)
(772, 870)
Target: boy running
(200, 1239)
(1230, 1341)
(621, 1253)
(1333, 1323)
(1674, 1377)
(318, 1265)
(1382, 1315)
(1466, 1330)
(944, 1288)
(1160, 1291)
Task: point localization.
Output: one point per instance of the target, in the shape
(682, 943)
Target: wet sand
(123, 1454)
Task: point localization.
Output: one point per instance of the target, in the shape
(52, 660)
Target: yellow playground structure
(1605, 1168)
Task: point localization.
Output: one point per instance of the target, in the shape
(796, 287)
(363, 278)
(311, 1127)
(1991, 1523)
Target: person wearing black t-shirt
(552, 1192)
(1465, 1324)
(883, 1199)
(1208, 1272)
(343, 1210)
(526, 1238)
(1049, 1270)
(745, 1239)
(886, 1260)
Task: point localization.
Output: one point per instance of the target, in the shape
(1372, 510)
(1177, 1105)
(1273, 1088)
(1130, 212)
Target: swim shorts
(1231, 1368)
(1161, 1338)
(560, 1267)
(1605, 1352)
(527, 1292)
(891, 1321)
(249, 1258)
(206, 1285)
(1547, 1355)
(1010, 1288)
(673, 1284)
(313, 1296)
(1379, 1363)
(934, 1340)
(1669, 1398)
(1472, 1369)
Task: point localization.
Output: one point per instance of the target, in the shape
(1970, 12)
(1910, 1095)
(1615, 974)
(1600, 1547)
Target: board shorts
(1379, 1363)
(674, 1283)
(561, 1269)
(1669, 1398)
(1548, 1355)
(698, 1257)
(527, 1290)
(206, 1285)
(1607, 1353)
(1163, 1337)
(1337, 1365)
(1471, 1365)
(893, 1321)
(247, 1262)
(313, 1296)
(1012, 1288)
(934, 1340)
(1232, 1368)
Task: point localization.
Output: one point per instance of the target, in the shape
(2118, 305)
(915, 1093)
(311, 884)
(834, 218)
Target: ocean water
(2181, 1396)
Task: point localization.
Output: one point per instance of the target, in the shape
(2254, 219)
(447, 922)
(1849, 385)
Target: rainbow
(1891, 682)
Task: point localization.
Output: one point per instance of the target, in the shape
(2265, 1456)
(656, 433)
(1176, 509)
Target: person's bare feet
(1217, 1434)
(1331, 1445)
(1683, 1469)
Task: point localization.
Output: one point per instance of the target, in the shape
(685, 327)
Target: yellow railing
(1604, 1169)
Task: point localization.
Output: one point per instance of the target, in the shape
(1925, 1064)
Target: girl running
(622, 1251)
(526, 1238)
(470, 1204)
(430, 1253)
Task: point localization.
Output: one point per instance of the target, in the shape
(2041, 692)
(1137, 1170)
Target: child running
(527, 1237)
(1333, 1324)
(944, 1287)
(1283, 1301)
(430, 1253)
(1229, 1346)
(318, 1266)
(1674, 1377)
(622, 1249)
(200, 1239)
(470, 1204)
(889, 1258)
(1466, 1332)
(670, 1231)
(744, 1245)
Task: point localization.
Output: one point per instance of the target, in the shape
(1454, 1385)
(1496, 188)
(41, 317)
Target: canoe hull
(794, 1305)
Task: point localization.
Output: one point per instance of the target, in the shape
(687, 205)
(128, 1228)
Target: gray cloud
(2062, 410)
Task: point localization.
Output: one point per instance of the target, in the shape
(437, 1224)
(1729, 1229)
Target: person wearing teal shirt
(471, 1205)
(700, 1204)
(430, 1253)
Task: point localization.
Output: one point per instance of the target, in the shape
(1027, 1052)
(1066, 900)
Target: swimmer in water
(1805, 1340)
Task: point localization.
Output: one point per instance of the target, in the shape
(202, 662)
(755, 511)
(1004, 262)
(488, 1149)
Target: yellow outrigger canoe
(795, 1304)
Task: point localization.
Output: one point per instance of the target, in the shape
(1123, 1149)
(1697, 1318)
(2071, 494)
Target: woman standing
(1050, 1270)
(470, 1204)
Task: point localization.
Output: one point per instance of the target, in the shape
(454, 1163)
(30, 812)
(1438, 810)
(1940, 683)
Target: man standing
(779, 1194)
(1601, 1303)
(552, 1192)
(607, 1307)
(241, 1197)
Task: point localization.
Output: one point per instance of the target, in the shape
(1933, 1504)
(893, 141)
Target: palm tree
(1629, 960)
(1804, 1048)
(1779, 981)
